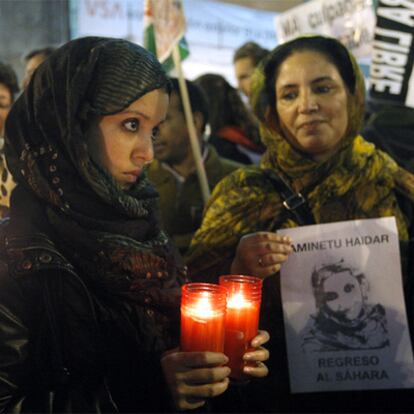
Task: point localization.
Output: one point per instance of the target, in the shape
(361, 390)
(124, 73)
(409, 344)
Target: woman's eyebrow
(134, 112)
(322, 78)
(318, 79)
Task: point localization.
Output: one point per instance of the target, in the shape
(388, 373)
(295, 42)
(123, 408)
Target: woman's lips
(132, 176)
(311, 126)
(135, 172)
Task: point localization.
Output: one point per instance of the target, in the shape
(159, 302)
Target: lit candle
(203, 309)
(244, 295)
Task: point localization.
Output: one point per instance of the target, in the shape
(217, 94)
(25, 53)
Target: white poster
(345, 320)
(350, 21)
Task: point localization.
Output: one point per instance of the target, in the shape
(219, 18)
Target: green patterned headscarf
(356, 182)
(100, 227)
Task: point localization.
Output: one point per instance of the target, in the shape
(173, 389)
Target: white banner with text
(214, 30)
(343, 304)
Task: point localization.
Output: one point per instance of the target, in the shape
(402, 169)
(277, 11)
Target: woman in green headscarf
(309, 97)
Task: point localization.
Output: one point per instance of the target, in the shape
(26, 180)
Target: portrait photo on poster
(344, 317)
(345, 320)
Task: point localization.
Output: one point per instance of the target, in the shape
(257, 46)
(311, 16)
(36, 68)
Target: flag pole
(195, 146)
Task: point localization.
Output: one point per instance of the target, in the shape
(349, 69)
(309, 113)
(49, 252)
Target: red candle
(244, 294)
(203, 309)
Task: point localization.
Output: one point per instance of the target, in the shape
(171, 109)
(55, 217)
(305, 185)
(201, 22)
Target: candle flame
(238, 301)
(203, 308)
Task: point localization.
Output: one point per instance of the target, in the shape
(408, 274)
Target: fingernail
(248, 369)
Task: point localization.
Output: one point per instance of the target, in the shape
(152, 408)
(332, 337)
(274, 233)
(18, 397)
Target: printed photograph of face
(342, 296)
(344, 318)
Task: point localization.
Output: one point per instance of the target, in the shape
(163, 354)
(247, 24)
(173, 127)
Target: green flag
(164, 27)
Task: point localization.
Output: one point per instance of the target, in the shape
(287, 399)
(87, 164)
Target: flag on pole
(164, 27)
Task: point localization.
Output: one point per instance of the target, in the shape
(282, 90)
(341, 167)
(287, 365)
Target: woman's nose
(144, 149)
(308, 102)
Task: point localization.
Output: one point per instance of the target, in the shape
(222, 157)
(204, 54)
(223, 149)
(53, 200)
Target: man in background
(33, 59)
(245, 60)
(390, 127)
(173, 172)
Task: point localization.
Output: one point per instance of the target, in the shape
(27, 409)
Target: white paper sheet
(345, 320)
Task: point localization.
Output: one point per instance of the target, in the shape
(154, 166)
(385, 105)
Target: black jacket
(65, 347)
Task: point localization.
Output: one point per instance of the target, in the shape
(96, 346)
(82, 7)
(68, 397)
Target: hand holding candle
(256, 356)
(197, 371)
(203, 308)
(242, 318)
(194, 377)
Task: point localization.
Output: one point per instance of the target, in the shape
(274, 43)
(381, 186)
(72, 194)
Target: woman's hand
(255, 357)
(261, 254)
(193, 377)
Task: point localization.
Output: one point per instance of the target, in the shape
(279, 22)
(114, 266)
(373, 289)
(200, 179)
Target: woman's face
(312, 103)
(122, 143)
(343, 295)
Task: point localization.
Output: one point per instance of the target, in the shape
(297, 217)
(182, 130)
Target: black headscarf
(97, 224)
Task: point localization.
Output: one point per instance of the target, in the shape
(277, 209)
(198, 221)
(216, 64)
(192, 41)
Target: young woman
(89, 284)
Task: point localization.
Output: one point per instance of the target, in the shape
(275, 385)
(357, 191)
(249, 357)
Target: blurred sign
(391, 75)
(108, 17)
(214, 30)
(350, 21)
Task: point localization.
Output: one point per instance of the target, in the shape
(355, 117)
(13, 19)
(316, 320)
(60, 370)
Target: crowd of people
(104, 220)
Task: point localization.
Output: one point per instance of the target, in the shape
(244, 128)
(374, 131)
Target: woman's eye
(131, 125)
(323, 89)
(349, 287)
(289, 96)
(155, 132)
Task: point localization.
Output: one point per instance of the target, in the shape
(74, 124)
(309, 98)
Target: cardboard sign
(345, 320)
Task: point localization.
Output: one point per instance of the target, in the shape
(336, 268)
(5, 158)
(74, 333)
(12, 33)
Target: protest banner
(214, 29)
(391, 72)
(350, 21)
(343, 304)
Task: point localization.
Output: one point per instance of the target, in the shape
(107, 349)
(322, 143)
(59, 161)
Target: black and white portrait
(344, 318)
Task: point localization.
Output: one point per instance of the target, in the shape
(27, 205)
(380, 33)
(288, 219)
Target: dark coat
(102, 356)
